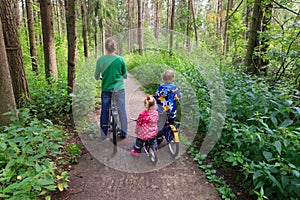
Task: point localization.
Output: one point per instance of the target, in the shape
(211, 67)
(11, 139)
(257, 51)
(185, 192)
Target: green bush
(28, 148)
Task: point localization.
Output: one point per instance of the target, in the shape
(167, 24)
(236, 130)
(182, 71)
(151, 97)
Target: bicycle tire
(172, 145)
(152, 155)
(114, 130)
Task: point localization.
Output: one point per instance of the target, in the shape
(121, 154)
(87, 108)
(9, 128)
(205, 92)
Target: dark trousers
(139, 143)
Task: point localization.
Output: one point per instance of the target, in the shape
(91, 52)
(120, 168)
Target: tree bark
(140, 27)
(194, 23)
(72, 46)
(96, 30)
(172, 24)
(7, 100)
(220, 20)
(14, 52)
(84, 30)
(34, 62)
(157, 21)
(229, 7)
(48, 39)
(130, 32)
(250, 62)
(264, 42)
(188, 27)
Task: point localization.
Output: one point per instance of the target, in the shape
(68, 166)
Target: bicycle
(114, 117)
(150, 148)
(150, 151)
(169, 133)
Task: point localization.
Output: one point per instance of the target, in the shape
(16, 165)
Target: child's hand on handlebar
(133, 119)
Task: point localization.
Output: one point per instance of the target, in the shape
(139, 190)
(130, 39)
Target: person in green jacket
(111, 68)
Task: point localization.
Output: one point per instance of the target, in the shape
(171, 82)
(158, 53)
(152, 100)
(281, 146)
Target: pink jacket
(146, 125)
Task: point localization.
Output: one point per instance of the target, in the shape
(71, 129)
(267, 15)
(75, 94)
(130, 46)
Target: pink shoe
(135, 153)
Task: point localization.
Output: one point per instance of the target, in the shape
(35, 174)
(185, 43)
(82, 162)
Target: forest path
(128, 178)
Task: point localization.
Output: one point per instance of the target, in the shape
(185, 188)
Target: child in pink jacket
(146, 126)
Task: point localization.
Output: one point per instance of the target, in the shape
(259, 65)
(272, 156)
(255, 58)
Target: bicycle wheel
(152, 155)
(173, 146)
(114, 130)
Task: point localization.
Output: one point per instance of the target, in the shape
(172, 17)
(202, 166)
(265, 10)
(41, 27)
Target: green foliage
(75, 150)
(28, 148)
(260, 137)
(49, 100)
(221, 186)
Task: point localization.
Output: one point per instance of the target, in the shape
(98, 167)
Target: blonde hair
(110, 45)
(168, 76)
(149, 102)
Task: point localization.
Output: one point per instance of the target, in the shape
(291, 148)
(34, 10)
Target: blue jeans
(104, 116)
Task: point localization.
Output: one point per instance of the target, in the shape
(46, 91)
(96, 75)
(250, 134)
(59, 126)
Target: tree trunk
(31, 37)
(72, 46)
(194, 23)
(172, 24)
(62, 15)
(102, 35)
(220, 20)
(84, 30)
(58, 17)
(264, 43)
(156, 30)
(14, 52)
(48, 39)
(7, 100)
(140, 27)
(246, 34)
(96, 32)
(130, 32)
(250, 60)
(188, 27)
(226, 46)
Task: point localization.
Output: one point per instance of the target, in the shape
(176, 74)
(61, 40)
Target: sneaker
(122, 136)
(135, 153)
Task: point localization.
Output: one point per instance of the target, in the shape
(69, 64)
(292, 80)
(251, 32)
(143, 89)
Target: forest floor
(102, 175)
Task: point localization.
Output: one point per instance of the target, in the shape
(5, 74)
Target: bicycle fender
(176, 136)
(175, 132)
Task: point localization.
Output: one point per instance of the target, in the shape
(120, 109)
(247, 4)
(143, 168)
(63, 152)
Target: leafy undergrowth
(259, 145)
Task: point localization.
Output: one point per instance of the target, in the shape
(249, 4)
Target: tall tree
(253, 38)
(84, 29)
(194, 23)
(130, 23)
(140, 26)
(188, 26)
(157, 21)
(56, 8)
(96, 28)
(72, 48)
(14, 52)
(172, 24)
(264, 41)
(7, 100)
(229, 8)
(31, 36)
(220, 19)
(48, 38)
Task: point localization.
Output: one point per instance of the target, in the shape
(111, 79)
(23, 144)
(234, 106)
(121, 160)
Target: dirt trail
(105, 173)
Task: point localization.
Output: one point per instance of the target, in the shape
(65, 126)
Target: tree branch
(281, 6)
(234, 11)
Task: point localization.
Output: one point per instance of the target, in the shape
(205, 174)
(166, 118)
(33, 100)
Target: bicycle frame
(171, 135)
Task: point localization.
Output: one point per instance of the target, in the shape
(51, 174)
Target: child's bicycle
(150, 148)
(150, 151)
(168, 132)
